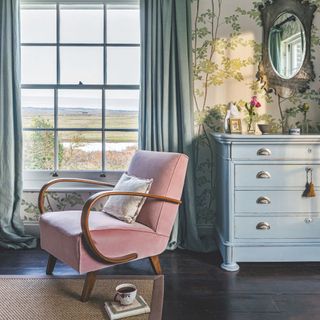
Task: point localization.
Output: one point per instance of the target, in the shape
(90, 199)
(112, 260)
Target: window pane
(123, 26)
(38, 25)
(81, 25)
(122, 109)
(38, 65)
(123, 65)
(80, 109)
(81, 64)
(80, 150)
(120, 148)
(37, 108)
(38, 147)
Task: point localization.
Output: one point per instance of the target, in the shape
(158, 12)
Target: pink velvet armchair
(88, 245)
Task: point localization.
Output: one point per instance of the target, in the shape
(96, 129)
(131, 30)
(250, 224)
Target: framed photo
(235, 125)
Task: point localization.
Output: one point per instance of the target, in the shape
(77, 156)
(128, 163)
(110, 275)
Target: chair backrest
(168, 171)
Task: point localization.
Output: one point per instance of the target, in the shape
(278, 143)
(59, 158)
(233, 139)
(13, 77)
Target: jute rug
(52, 298)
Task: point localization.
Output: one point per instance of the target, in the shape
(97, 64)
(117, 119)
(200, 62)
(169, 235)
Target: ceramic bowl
(264, 128)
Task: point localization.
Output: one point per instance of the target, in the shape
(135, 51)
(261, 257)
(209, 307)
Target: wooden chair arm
(85, 221)
(59, 180)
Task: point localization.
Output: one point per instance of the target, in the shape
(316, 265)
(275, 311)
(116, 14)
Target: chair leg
(88, 286)
(155, 262)
(51, 264)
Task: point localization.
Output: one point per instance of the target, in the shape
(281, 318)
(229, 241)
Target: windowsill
(34, 180)
(70, 189)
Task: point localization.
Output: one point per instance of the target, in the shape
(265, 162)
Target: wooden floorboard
(196, 288)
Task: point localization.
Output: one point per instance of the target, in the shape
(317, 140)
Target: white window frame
(34, 179)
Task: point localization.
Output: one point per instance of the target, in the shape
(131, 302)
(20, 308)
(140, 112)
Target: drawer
(275, 152)
(279, 227)
(261, 175)
(275, 201)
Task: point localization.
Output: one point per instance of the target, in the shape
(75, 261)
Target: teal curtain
(166, 115)
(275, 48)
(11, 227)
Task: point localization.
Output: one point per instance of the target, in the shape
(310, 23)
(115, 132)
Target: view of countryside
(79, 110)
(72, 57)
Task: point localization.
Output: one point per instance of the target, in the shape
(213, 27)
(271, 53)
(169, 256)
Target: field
(114, 120)
(80, 150)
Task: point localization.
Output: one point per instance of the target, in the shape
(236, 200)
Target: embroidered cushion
(127, 208)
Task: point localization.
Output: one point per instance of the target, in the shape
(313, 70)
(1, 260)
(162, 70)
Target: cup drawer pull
(264, 152)
(263, 200)
(263, 226)
(263, 175)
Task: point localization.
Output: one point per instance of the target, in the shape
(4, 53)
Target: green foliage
(253, 13)
(215, 61)
(39, 146)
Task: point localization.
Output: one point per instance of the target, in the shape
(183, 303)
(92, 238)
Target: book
(116, 311)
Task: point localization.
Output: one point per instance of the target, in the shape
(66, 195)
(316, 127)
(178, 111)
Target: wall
(226, 52)
(227, 46)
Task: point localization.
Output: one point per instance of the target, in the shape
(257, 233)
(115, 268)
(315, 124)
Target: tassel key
(309, 191)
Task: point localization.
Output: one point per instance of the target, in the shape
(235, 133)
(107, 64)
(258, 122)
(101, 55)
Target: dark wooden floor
(196, 288)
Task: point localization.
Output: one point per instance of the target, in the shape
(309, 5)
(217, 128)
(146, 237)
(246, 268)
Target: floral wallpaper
(227, 47)
(54, 201)
(226, 52)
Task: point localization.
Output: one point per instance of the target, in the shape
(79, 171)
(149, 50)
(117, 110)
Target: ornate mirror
(286, 67)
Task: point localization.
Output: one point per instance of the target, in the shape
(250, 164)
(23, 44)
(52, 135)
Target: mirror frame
(272, 82)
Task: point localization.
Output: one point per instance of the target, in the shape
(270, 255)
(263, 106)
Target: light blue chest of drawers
(261, 215)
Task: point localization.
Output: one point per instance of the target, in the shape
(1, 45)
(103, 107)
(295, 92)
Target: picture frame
(235, 125)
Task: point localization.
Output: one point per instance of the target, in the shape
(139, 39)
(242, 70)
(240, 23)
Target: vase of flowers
(251, 107)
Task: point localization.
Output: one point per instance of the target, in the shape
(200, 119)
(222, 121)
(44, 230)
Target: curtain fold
(275, 49)
(11, 227)
(166, 115)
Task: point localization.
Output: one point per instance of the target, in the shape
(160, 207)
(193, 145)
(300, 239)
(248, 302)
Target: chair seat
(61, 236)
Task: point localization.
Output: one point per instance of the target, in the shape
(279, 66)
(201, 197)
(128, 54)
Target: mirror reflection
(287, 45)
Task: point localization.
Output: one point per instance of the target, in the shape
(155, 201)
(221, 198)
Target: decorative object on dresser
(232, 112)
(250, 107)
(261, 213)
(235, 125)
(264, 128)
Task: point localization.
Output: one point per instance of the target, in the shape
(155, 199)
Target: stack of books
(116, 311)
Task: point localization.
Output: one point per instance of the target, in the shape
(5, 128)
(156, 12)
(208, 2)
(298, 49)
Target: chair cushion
(127, 208)
(61, 236)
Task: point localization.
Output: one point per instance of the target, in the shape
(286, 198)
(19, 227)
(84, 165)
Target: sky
(83, 64)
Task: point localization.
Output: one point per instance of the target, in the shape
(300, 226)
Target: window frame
(35, 178)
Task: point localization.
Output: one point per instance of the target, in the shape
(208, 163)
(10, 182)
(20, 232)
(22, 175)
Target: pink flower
(254, 102)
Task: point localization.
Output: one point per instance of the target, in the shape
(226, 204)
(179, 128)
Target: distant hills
(31, 111)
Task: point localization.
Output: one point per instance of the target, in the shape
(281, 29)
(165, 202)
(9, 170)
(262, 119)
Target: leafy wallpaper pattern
(227, 49)
(226, 52)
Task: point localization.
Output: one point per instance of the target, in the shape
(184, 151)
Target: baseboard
(32, 228)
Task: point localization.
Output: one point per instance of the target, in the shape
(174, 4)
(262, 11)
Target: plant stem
(281, 113)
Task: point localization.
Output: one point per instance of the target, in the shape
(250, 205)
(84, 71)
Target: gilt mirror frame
(272, 82)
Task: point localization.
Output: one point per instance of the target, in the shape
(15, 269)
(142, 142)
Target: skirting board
(32, 228)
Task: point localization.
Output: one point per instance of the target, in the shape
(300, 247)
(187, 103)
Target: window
(80, 69)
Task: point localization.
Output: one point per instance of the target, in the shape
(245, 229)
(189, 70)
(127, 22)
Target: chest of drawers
(261, 215)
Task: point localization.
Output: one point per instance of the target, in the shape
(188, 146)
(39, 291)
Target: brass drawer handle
(263, 226)
(264, 152)
(263, 175)
(263, 200)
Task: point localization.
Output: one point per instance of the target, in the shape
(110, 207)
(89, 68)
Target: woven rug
(52, 298)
